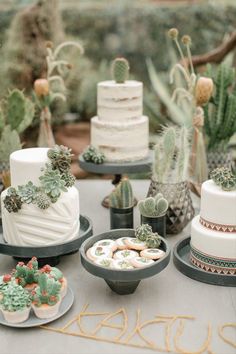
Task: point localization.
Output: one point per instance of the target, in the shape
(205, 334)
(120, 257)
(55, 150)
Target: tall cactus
(220, 112)
(120, 70)
(122, 197)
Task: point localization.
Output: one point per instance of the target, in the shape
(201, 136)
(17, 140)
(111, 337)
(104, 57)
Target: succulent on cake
(60, 157)
(26, 274)
(153, 240)
(52, 183)
(28, 193)
(12, 201)
(224, 177)
(92, 154)
(47, 292)
(153, 207)
(143, 231)
(122, 196)
(42, 200)
(68, 178)
(120, 70)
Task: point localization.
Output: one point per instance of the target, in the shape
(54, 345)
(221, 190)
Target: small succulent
(153, 207)
(92, 154)
(153, 240)
(15, 298)
(26, 273)
(68, 178)
(120, 70)
(224, 177)
(47, 292)
(60, 157)
(42, 200)
(143, 231)
(12, 202)
(52, 183)
(28, 193)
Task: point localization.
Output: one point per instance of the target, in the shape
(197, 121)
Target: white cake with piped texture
(120, 130)
(32, 226)
(213, 232)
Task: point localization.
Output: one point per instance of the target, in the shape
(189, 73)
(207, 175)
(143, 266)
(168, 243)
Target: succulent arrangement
(47, 292)
(16, 114)
(144, 233)
(224, 177)
(171, 156)
(153, 207)
(220, 112)
(120, 70)
(92, 154)
(56, 178)
(26, 273)
(15, 298)
(122, 196)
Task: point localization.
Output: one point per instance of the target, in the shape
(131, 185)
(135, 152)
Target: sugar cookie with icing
(141, 262)
(121, 244)
(152, 253)
(135, 244)
(107, 243)
(122, 264)
(98, 252)
(105, 262)
(125, 254)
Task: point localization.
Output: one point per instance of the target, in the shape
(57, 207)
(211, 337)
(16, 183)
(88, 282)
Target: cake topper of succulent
(52, 183)
(153, 207)
(92, 154)
(12, 201)
(60, 157)
(122, 196)
(224, 178)
(28, 192)
(120, 70)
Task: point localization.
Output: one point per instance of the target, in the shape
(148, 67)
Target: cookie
(125, 254)
(152, 253)
(141, 262)
(135, 244)
(105, 262)
(122, 264)
(121, 244)
(107, 243)
(97, 252)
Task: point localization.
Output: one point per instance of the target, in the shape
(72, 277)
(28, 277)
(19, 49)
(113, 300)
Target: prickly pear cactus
(153, 206)
(120, 70)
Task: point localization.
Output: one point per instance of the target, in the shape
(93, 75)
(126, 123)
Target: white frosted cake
(31, 225)
(213, 232)
(120, 130)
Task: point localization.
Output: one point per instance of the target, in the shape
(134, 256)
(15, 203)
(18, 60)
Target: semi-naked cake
(213, 232)
(32, 225)
(120, 130)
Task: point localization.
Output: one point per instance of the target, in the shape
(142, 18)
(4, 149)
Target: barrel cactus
(153, 240)
(153, 207)
(120, 70)
(143, 231)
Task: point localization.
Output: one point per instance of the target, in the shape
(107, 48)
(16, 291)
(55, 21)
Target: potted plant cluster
(170, 176)
(121, 202)
(153, 211)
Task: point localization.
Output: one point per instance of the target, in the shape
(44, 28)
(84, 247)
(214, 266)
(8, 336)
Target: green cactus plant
(48, 291)
(27, 273)
(143, 231)
(122, 197)
(171, 156)
(120, 70)
(220, 112)
(153, 207)
(153, 240)
(92, 154)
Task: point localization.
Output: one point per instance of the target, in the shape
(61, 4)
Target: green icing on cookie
(56, 273)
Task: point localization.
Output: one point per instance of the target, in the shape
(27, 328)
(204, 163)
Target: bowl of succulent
(123, 257)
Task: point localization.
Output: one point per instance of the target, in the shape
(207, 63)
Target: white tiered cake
(120, 130)
(32, 226)
(213, 232)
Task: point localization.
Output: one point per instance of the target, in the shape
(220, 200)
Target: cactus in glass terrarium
(120, 70)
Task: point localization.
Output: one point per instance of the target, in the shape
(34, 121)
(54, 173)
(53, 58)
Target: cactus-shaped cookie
(47, 292)
(153, 207)
(122, 197)
(120, 70)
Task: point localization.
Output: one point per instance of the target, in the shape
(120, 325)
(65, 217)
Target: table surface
(169, 293)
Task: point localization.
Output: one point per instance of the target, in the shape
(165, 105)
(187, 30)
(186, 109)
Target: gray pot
(123, 282)
(158, 224)
(121, 218)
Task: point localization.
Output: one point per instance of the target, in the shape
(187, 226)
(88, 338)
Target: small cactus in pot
(153, 210)
(26, 275)
(121, 202)
(144, 233)
(46, 297)
(120, 70)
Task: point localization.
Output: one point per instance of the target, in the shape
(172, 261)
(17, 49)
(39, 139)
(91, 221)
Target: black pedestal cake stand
(117, 169)
(48, 254)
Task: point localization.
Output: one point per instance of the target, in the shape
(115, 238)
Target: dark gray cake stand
(48, 254)
(181, 258)
(117, 169)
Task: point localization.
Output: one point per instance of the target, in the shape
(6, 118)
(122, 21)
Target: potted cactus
(56, 274)
(26, 275)
(170, 175)
(121, 202)
(153, 211)
(15, 303)
(46, 297)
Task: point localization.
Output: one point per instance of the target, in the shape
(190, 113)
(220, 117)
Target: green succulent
(60, 157)
(120, 70)
(28, 193)
(12, 201)
(143, 231)
(224, 177)
(15, 298)
(68, 178)
(153, 240)
(52, 183)
(42, 200)
(92, 154)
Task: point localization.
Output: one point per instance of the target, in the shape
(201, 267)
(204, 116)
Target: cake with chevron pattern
(42, 205)
(213, 232)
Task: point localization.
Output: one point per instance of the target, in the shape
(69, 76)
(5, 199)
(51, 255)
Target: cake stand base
(181, 258)
(49, 254)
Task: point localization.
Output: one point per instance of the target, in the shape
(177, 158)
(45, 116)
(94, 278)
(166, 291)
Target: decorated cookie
(135, 243)
(107, 243)
(152, 253)
(55, 273)
(121, 244)
(97, 252)
(105, 262)
(141, 262)
(122, 264)
(125, 254)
